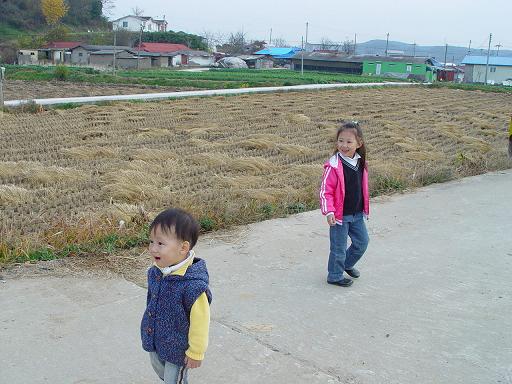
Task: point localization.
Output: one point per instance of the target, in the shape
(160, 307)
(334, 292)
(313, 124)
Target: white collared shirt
(351, 160)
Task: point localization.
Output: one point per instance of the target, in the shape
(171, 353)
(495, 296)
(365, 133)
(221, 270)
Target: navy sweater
(166, 321)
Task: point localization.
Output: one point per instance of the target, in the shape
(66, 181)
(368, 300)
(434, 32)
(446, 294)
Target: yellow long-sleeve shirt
(199, 321)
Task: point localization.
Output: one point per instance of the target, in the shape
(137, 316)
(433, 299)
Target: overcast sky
(433, 22)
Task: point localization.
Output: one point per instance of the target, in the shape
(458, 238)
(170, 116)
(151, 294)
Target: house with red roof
(163, 47)
(57, 52)
(175, 55)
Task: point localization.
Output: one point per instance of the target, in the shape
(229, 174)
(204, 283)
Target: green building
(406, 66)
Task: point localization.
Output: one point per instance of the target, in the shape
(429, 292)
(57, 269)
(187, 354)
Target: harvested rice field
(20, 89)
(71, 176)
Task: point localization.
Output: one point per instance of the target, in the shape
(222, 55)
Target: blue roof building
(279, 53)
(493, 60)
(498, 72)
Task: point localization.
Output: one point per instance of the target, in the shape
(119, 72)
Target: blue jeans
(168, 372)
(341, 258)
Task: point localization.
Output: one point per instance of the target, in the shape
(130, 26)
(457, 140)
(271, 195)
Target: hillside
(454, 54)
(26, 16)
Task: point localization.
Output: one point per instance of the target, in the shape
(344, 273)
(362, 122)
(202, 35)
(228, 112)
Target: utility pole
(307, 27)
(445, 52)
(387, 41)
(414, 49)
(140, 42)
(355, 42)
(302, 58)
(2, 76)
(469, 48)
(498, 51)
(487, 63)
(270, 40)
(115, 43)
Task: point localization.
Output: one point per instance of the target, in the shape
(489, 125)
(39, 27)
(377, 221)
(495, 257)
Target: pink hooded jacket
(332, 190)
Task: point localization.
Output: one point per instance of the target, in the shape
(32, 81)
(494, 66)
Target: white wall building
(499, 70)
(133, 23)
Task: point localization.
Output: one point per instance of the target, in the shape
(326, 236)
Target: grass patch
(212, 79)
(473, 87)
(105, 244)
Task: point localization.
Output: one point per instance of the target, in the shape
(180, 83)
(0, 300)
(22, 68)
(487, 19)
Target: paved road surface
(433, 304)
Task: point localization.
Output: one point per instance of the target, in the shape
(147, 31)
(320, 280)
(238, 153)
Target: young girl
(344, 200)
(175, 325)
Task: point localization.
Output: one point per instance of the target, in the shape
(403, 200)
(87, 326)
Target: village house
(80, 55)
(57, 52)
(499, 70)
(125, 59)
(177, 54)
(134, 23)
(281, 55)
(28, 57)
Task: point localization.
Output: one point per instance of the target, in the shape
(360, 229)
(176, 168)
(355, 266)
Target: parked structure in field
(258, 61)
(405, 67)
(28, 57)
(499, 70)
(134, 24)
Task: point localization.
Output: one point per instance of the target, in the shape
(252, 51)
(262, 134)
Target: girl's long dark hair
(353, 125)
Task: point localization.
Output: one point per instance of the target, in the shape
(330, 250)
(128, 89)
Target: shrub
(207, 224)
(61, 72)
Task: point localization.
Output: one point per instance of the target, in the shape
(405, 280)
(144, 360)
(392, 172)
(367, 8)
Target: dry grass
(229, 160)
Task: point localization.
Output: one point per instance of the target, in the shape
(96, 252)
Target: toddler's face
(347, 143)
(166, 249)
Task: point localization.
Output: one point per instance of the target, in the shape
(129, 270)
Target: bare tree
(348, 47)
(329, 45)
(107, 6)
(235, 43)
(212, 39)
(280, 42)
(137, 11)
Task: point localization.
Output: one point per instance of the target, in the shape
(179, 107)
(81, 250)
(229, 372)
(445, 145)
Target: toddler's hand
(331, 220)
(191, 363)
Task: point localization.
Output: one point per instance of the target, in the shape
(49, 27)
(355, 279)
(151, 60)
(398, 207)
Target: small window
(32, 54)
(493, 69)
(125, 24)
(80, 54)
(409, 68)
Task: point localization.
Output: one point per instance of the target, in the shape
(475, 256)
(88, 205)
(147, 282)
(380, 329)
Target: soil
(20, 89)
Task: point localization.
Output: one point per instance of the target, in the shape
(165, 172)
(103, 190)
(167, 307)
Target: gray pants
(168, 372)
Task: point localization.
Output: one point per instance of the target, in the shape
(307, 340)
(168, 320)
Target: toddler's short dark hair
(179, 222)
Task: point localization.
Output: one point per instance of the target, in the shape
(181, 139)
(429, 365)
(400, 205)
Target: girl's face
(348, 143)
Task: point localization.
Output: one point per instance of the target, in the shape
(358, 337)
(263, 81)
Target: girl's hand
(191, 363)
(331, 220)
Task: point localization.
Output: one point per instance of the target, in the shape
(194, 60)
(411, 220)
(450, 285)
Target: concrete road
(433, 304)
